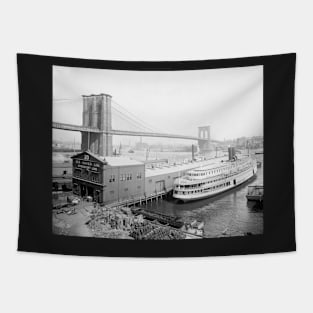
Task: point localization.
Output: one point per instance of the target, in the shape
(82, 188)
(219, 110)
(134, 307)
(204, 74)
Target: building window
(94, 177)
(85, 174)
(139, 175)
(64, 172)
(112, 178)
(77, 172)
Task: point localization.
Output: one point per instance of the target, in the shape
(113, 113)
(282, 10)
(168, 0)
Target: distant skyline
(229, 100)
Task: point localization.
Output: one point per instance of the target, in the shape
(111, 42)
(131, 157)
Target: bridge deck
(71, 127)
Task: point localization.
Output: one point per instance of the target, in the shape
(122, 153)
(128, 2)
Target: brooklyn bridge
(97, 129)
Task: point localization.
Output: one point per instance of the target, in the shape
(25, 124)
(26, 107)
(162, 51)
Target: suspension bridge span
(97, 129)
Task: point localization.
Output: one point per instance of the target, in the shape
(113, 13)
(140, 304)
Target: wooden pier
(143, 200)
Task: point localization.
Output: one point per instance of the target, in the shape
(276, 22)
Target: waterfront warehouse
(117, 178)
(107, 179)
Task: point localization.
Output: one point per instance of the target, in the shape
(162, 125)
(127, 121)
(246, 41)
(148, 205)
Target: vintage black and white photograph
(157, 155)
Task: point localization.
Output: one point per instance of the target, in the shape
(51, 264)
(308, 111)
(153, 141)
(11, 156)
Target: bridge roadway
(71, 127)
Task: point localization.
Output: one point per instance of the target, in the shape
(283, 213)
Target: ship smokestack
(231, 153)
(192, 152)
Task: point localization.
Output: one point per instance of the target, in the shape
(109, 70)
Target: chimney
(193, 152)
(231, 153)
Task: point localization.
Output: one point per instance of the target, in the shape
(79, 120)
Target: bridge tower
(204, 142)
(97, 114)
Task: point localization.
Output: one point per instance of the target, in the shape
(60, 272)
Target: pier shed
(107, 179)
(162, 178)
(117, 178)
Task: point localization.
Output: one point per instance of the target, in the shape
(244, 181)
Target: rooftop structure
(120, 161)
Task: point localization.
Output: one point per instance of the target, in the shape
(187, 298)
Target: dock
(141, 200)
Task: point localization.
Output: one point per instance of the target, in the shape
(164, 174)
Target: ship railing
(224, 176)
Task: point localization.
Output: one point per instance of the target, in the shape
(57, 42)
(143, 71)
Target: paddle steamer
(220, 175)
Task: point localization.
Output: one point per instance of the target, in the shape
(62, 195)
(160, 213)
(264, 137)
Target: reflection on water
(227, 214)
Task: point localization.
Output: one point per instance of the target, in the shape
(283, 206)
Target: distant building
(249, 142)
(141, 146)
(56, 145)
(61, 176)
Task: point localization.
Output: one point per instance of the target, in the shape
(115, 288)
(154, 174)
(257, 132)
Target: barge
(255, 193)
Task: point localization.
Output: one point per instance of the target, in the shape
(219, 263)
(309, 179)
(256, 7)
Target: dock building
(114, 178)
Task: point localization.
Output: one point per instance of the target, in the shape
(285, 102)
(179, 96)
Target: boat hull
(254, 198)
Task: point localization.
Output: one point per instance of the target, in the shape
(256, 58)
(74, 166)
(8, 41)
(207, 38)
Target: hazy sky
(230, 100)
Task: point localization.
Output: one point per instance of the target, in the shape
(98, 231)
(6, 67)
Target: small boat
(194, 228)
(255, 193)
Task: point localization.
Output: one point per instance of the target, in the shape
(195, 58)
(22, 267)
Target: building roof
(111, 160)
(97, 157)
(120, 161)
(169, 169)
(96, 95)
(213, 164)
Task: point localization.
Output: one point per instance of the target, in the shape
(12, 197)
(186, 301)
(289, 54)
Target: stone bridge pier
(97, 114)
(204, 141)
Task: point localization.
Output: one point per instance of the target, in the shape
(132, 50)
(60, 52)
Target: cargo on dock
(161, 218)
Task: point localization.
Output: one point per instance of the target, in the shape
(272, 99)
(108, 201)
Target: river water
(227, 214)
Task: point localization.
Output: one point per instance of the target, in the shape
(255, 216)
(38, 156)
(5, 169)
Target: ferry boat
(220, 175)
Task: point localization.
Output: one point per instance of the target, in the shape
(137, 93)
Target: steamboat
(220, 175)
